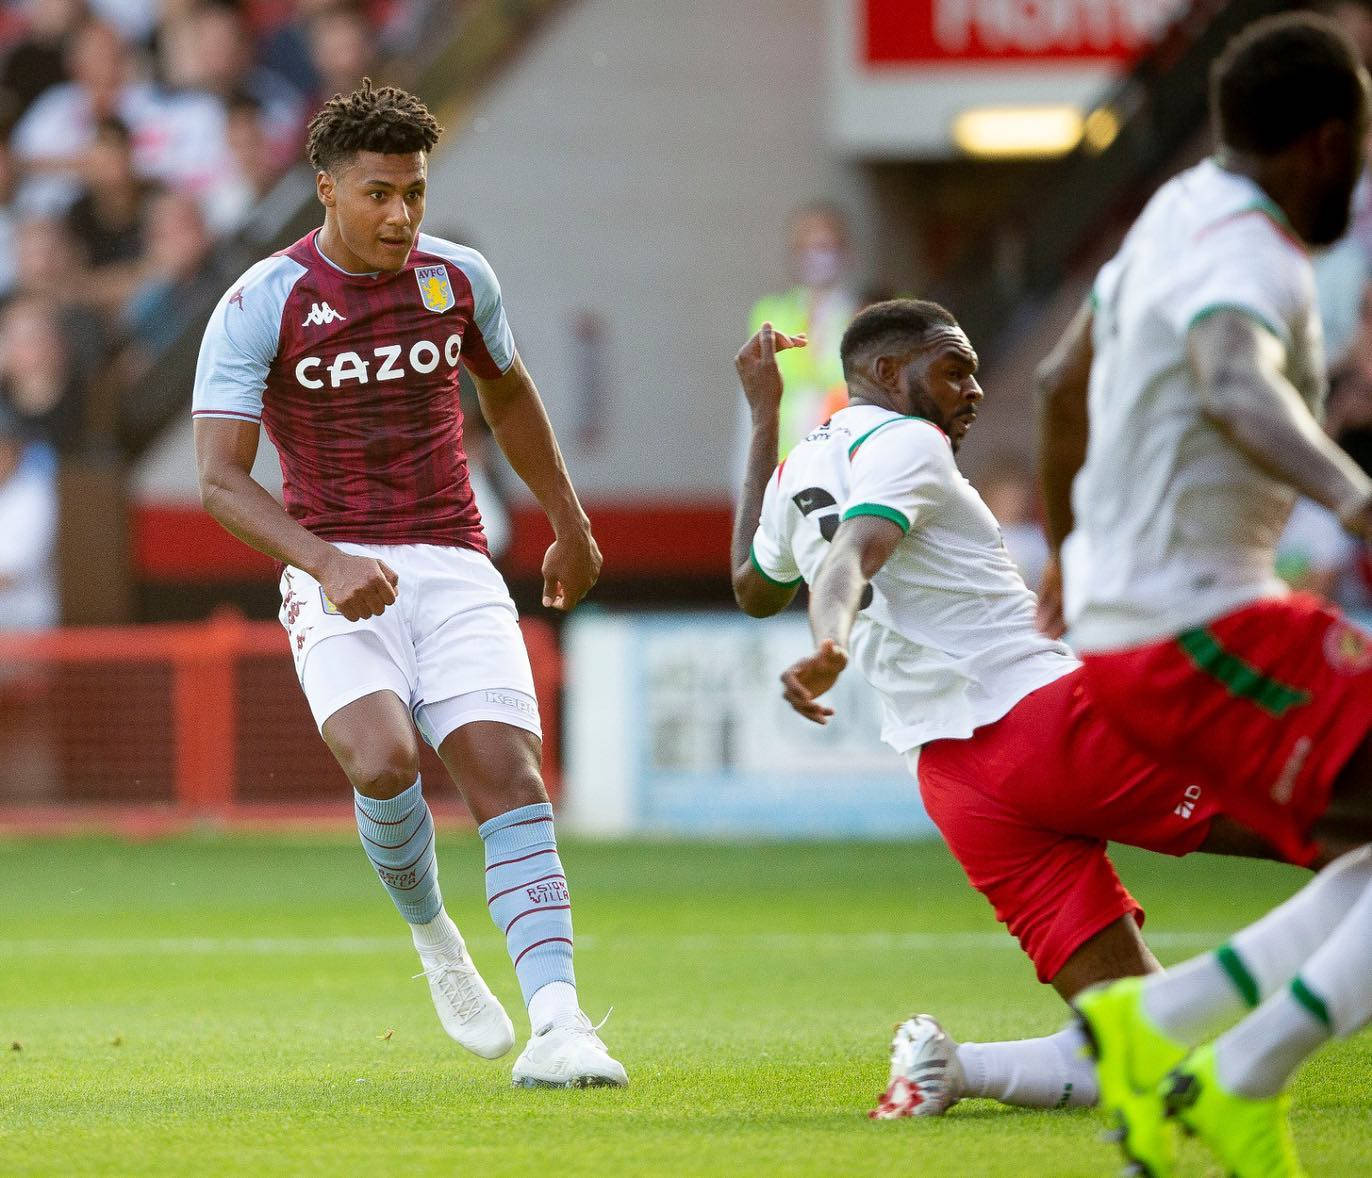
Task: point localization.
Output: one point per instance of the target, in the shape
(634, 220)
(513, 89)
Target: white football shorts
(449, 647)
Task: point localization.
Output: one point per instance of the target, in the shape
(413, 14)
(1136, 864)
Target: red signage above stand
(913, 34)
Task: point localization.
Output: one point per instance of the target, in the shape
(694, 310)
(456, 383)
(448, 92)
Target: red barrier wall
(184, 723)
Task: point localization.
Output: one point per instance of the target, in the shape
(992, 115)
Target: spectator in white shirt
(29, 598)
(178, 136)
(208, 49)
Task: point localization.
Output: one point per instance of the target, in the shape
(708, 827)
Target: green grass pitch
(244, 1006)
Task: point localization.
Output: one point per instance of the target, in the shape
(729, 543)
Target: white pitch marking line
(686, 942)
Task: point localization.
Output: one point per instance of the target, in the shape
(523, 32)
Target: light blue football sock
(527, 894)
(398, 836)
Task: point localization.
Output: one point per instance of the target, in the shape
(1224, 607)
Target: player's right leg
(476, 706)
(1131, 1055)
(1325, 928)
(1056, 893)
(931, 1071)
(373, 740)
(357, 677)
(1269, 706)
(1232, 1094)
(1026, 805)
(497, 766)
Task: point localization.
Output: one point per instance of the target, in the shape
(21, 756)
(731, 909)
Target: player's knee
(498, 767)
(507, 787)
(526, 787)
(383, 772)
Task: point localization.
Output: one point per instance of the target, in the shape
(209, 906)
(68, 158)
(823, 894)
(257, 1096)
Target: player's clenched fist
(804, 681)
(358, 586)
(570, 567)
(756, 364)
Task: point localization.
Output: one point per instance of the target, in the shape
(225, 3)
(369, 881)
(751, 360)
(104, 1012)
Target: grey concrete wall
(637, 162)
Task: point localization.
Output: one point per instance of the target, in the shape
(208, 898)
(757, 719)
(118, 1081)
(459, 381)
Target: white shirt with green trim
(1174, 526)
(948, 637)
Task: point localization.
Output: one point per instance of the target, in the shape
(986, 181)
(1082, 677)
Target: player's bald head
(389, 121)
(897, 327)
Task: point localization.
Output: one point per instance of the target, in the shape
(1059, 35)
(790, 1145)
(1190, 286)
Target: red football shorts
(1265, 705)
(1028, 803)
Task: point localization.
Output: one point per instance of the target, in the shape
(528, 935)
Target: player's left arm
(758, 595)
(519, 422)
(862, 545)
(1239, 366)
(900, 475)
(1062, 429)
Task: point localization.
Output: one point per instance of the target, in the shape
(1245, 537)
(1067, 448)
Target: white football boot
(926, 1078)
(568, 1054)
(468, 1010)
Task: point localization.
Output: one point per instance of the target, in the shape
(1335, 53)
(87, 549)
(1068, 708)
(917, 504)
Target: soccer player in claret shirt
(1184, 399)
(345, 346)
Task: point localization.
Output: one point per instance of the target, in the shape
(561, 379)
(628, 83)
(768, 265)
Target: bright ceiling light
(1018, 132)
(1101, 129)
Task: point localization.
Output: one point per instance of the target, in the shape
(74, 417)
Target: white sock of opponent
(1191, 1002)
(1033, 1073)
(1331, 996)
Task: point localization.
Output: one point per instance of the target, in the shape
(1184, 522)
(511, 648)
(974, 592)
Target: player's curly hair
(1282, 77)
(390, 120)
(890, 324)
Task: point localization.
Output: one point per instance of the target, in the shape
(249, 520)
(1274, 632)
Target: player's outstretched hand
(570, 567)
(803, 682)
(1049, 617)
(358, 586)
(756, 364)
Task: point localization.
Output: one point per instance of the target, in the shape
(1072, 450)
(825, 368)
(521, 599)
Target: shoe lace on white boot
(594, 1031)
(578, 1022)
(456, 985)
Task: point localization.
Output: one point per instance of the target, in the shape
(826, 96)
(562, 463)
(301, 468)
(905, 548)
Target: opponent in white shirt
(1196, 534)
(944, 660)
(909, 579)
(1205, 382)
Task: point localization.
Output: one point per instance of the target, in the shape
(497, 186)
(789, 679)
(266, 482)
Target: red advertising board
(920, 33)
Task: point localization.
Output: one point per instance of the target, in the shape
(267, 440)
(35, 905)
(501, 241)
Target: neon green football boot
(1251, 1137)
(1132, 1059)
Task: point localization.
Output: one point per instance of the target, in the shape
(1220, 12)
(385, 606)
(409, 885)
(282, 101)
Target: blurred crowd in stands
(136, 136)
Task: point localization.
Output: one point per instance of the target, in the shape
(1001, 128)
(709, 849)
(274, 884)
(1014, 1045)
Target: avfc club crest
(435, 288)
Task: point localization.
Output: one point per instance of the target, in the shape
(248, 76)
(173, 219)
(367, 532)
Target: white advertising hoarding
(675, 725)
